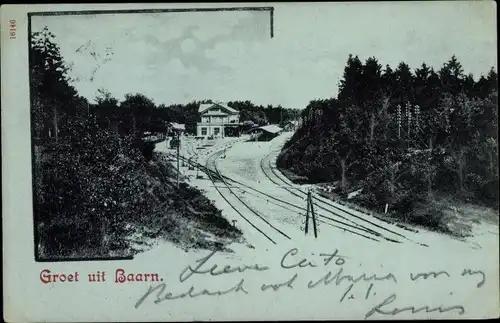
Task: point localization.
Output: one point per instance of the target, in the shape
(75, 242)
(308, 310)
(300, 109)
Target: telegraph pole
(313, 215)
(307, 215)
(178, 164)
(183, 150)
(310, 209)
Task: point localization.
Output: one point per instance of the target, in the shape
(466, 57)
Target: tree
(138, 108)
(492, 79)
(107, 109)
(404, 80)
(451, 75)
(350, 84)
(53, 99)
(348, 141)
(372, 93)
(468, 85)
(448, 141)
(461, 134)
(388, 80)
(422, 90)
(258, 114)
(371, 86)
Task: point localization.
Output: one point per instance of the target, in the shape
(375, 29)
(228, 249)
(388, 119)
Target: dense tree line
(138, 113)
(403, 136)
(263, 115)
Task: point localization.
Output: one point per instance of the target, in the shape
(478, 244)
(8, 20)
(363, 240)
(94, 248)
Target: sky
(229, 55)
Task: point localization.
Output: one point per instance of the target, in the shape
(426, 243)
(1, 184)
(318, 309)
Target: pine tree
(422, 90)
(468, 85)
(388, 80)
(372, 80)
(53, 98)
(451, 75)
(404, 83)
(492, 80)
(350, 84)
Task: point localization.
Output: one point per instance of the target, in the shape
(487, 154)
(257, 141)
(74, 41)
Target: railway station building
(218, 120)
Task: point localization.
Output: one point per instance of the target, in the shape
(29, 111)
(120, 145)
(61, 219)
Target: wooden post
(313, 215)
(178, 165)
(307, 216)
(179, 136)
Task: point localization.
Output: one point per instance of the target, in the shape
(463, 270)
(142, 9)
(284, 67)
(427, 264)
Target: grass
(461, 217)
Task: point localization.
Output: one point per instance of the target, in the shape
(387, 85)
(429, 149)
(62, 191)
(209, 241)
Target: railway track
(352, 225)
(329, 206)
(299, 210)
(339, 221)
(211, 169)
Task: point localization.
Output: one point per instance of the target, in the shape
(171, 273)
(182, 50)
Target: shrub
(147, 150)
(83, 181)
(428, 214)
(93, 187)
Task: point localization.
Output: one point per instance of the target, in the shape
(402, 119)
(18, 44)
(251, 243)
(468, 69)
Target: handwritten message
(296, 274)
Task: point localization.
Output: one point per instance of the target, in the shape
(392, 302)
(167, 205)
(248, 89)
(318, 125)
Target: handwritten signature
(382, 308)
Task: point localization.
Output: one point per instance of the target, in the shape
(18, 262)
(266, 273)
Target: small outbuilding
(291, 125)
(175, 129)
(269, 132)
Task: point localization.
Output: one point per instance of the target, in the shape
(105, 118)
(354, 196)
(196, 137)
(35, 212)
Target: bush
(488, 193)
(427, 214)
(147, 150)
(84, 179)
(93, 186)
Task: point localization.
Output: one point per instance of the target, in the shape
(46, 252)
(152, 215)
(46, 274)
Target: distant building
(266, 133)
(291, 125)
(176, 128)
(217, 120)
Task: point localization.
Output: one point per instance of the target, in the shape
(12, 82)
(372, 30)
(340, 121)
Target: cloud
(188, 46)
(176, 68)
(179, 57)
(269, 74)
(213, 24)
